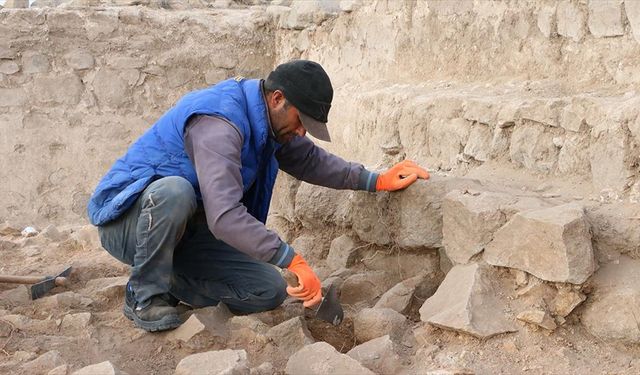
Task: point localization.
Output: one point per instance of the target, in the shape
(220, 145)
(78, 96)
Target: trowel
(330, 309)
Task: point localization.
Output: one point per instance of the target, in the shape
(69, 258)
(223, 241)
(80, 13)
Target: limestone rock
(632, 9)
(79, 321)
(309, 247)
(611, 312)
(342, 252)
(419, 213)
(44, 363)
(366, 218)
(107, 287)
(365, 287)
(321, 359)
(399, 297)
(87, 236)
(79, 59)
(265, 368)
(247, 332)
(102, 368)
(12, 97)
(605, 18)
(34, 62)
(16, 4)
(469, 221)
(369, 324)
(317, 206)
(553, 244)
(205, 327)
(290, 336)
(228, 362)
(478, 145)
(60, 370)
(565, 301)
(547, 21)
(67, 300)
(110, 88)
(571, 20)
(286, 311)
(61, 89)
(466, 301)
(538, 317)
(615, 231)
(17, 296)
(378, 355)
(9, 67)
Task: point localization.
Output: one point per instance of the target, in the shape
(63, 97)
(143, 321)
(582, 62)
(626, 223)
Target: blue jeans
(165, 237)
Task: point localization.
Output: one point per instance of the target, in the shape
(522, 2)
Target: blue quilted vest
(160, 151)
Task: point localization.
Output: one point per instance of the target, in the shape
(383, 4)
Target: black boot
(159, 314)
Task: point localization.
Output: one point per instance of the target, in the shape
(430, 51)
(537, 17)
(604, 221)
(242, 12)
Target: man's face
(285, 120)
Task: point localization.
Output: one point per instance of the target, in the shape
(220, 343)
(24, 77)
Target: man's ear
(277, 99)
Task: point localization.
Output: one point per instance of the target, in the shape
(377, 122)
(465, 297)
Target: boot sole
(166, 323)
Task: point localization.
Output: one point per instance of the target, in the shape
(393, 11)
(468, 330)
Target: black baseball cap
(308, 87)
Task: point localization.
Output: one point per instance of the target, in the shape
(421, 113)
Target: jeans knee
(175, 194)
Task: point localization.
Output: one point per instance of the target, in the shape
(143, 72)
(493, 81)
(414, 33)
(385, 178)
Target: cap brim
(316, 128)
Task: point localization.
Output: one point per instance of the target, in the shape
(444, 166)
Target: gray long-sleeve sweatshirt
(214, 146)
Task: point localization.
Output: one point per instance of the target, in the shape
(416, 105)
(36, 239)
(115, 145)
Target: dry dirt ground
(82, 324)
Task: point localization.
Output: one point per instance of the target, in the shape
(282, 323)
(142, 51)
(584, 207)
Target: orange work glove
(400, 176)
(309, 289)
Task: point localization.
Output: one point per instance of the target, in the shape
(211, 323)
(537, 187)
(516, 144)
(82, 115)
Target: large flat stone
(605, 18)
(227, 362)
(571, 20)
(378, 355)
(321, 359)
(632, 9)
(102, 368)
(467, 302)
(369, 324)
(611, 311)
(554, 244)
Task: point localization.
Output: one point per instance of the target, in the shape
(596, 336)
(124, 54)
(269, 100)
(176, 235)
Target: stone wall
(542, 88)
(78, 86)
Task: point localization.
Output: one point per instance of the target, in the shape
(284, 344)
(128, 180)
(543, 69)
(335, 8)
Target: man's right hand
(310, 288)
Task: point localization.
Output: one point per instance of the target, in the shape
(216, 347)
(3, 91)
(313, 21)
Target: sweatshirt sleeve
(308, 162)
(214, 147)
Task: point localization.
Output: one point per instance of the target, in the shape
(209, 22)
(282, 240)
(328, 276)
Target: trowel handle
(30, 279)
(290, 277)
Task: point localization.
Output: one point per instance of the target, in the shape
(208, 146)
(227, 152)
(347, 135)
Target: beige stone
(605, 18)
(538, 317)
(228, 362)
(467, 301)
(400, 296)
(12, 97)
(102, 368)
(290, 336)
(79, 59)
(571, 20)
(44, 363)
(369, 324)
(342, 252)
(378, 355)
(16, 4)
(547, 23)
(320, 359)
(632, 9)
(611, 311)
(9, 67)
(62, 89)
(553, 244)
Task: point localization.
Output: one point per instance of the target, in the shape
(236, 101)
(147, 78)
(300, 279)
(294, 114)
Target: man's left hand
(400, 176)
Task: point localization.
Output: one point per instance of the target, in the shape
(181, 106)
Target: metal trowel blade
(330, 309)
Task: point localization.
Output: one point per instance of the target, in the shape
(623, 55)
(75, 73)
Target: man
(186, 205)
